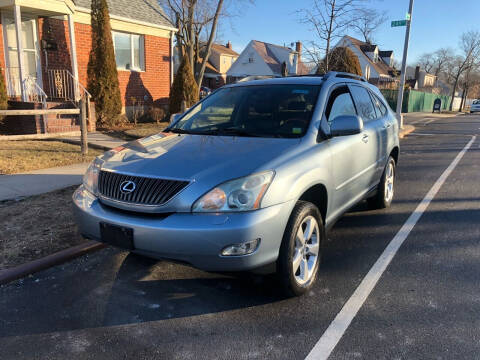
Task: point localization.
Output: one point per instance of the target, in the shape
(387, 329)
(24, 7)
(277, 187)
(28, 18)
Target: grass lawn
(25, 155)
(36, 227)
(137, 132)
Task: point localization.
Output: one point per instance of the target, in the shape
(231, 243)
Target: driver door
(347, 153)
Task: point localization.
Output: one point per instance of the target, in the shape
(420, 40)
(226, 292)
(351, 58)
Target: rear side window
(380, 107)
(340, 103)
(364, 103)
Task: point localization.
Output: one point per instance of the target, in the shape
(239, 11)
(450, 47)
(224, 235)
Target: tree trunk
(453, 91)
(191, 32)
(213, 31)
(329, 37)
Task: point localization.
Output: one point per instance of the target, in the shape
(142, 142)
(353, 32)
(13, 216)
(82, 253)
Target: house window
(129, 51)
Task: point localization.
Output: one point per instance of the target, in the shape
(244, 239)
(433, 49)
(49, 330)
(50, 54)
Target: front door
(31, 58)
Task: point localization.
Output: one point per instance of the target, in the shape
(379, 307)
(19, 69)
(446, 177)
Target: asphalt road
(426, 305)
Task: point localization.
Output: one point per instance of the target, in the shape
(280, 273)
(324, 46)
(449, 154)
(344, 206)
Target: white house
(377, 66)
(264, 59)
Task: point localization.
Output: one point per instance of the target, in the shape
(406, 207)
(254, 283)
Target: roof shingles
(148, 11)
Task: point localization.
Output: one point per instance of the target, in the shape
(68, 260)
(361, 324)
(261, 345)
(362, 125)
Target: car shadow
(150, 290)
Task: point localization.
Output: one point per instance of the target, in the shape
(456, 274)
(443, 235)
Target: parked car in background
(249, 179)
(475, 107)
(204, 91)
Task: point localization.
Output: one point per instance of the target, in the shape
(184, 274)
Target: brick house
(46, 46)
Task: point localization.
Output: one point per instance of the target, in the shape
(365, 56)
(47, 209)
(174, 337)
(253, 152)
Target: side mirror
(345, 125)
(175, 117)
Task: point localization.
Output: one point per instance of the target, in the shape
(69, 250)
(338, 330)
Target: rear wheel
(386, 189)
(299, 256)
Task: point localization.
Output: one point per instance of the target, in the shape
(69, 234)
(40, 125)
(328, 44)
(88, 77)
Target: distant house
(220, 61)
(420, 79)
(377, 65)
(264, 59)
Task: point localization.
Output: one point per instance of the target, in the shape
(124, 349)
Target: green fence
(415, 101)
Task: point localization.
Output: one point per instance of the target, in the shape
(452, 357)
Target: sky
(435, 24)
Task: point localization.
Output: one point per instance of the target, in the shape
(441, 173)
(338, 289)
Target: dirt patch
(36, 226)
(26, 155)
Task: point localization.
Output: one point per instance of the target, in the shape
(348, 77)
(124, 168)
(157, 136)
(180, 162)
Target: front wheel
(299, 256)
(386, 189)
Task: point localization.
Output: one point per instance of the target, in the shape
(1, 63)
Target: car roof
(334, 77)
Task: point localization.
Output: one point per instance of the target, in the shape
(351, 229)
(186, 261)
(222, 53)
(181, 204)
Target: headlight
(90, 179)
(241, 194)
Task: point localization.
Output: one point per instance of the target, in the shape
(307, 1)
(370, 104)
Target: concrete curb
(57, 258)
(407, 129)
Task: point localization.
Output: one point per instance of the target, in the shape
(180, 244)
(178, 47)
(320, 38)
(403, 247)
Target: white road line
(430, 121)
(340, 324)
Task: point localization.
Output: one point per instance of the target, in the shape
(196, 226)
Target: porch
(35, 76)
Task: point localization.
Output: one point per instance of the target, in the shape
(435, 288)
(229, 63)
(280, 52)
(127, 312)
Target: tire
(386, 189)
(293, 278)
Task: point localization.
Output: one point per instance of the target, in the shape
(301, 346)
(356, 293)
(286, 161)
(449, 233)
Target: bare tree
(470, 57)
(329, 19)
(195, 18)
(435, 63)
(367, 22)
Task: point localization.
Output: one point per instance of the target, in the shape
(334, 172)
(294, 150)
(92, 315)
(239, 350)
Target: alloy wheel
(307, 248)
(389, 180)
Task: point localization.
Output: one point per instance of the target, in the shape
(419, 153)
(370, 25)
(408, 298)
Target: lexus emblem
(127, 187)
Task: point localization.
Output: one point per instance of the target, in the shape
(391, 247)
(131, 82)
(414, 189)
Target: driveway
(114, 305)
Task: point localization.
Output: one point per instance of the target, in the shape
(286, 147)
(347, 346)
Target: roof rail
(345, 75)
(257, 77)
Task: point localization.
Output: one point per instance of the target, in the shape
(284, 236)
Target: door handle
(387, 126)
(365, 138)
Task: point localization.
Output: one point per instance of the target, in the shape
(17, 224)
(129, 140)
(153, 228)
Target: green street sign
(399, 23)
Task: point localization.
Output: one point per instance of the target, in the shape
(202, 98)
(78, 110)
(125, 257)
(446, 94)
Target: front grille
(148, 191)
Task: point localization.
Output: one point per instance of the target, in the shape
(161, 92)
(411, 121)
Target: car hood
(196, 157)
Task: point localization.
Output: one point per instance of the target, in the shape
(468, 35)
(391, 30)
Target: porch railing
(33, 91)
(62, 85)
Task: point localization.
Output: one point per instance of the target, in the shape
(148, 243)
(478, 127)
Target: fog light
(241, 249)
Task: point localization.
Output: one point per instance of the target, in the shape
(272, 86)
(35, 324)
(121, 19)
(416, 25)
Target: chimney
(417, 73)
(298, 49)
(229, 45)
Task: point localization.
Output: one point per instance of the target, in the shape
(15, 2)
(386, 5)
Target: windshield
(476, 102)
(256, 111)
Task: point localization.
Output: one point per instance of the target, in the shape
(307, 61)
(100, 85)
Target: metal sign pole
(404, 67)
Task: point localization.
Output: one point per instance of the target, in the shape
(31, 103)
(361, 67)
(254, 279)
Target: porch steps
(61, 123)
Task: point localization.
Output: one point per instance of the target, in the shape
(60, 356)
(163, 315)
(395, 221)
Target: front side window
(364, 103)
(253, 111)
(129, 51)
(340, 103)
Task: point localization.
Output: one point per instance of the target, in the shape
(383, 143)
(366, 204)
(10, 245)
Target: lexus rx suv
(250, 178)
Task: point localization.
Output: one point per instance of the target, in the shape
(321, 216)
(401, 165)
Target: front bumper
(194, 238)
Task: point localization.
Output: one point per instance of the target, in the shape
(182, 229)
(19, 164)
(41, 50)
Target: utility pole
(404, 66)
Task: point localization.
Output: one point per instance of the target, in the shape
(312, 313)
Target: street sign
(399, 23)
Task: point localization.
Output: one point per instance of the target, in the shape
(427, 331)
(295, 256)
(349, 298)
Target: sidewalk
(40, 181)
(413, 118)
(96, 139)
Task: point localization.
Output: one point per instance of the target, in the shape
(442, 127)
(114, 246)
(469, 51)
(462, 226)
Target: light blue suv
(250, 178)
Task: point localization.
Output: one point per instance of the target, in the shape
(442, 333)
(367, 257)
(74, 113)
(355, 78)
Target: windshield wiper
(178, 131)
